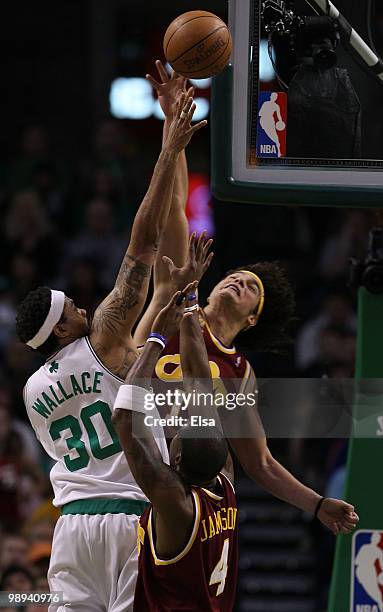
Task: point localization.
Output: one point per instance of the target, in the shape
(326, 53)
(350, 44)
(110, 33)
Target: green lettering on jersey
(75, 386)
(85, 388)
(75, 442)
(97, 381)
(49, 402)
(65, 394)
(55, 396)
(41, 408)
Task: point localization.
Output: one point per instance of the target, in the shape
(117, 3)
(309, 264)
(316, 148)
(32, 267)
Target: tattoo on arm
(126, 296)
(121, 360)
(132, 273)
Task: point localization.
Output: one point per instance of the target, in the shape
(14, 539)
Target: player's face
(75, 323)
(239, 292)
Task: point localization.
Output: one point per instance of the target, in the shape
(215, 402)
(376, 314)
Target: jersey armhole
(25, 389)
(25, 399)
(94, 354)
(249, 378)
(197, 517)
(223, 476)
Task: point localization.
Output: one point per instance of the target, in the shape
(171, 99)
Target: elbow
(146, 235)
(258, 468)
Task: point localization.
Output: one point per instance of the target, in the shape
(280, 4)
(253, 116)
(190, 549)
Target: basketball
(280, 125)
(198, 44)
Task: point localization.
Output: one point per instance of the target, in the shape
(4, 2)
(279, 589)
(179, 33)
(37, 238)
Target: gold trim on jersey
(245, 377)
(211, 494)
(219, 345)
(197, 518)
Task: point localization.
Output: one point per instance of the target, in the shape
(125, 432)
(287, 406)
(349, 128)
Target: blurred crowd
(66, 223)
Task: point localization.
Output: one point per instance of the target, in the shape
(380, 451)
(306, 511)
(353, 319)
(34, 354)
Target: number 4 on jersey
(219, 573)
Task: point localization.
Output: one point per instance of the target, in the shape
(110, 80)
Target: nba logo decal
(367, 572)
(271, 124)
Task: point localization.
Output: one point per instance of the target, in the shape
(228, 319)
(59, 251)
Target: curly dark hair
(272, 333)
(30, 316)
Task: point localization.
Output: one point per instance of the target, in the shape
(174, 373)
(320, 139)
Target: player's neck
(222, 325)
(65, 342)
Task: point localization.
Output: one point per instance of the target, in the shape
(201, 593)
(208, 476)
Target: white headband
(53, 317)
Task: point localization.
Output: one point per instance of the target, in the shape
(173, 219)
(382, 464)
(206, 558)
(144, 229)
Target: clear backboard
(297, 117)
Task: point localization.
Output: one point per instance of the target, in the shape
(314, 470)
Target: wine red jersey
(226, 363)
(203, 576)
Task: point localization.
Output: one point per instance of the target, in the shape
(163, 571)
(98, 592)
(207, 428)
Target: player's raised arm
(160, 483)
(197, 379)
(114, 318)
(174, 239)
(197, 262)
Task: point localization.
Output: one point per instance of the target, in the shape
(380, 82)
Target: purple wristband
(155, 335)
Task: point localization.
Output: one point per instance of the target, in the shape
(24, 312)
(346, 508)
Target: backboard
(297, 116)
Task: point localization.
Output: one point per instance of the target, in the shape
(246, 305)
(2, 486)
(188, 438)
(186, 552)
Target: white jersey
(69, 401)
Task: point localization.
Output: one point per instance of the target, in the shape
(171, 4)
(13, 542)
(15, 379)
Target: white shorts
(94, 562)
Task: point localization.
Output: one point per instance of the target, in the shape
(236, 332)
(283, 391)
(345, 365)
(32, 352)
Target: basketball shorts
(94, 562)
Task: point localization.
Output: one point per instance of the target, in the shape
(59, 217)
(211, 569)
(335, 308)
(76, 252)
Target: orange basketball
(198, 44)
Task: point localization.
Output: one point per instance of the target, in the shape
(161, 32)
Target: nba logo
(271, 124)
(367, 572)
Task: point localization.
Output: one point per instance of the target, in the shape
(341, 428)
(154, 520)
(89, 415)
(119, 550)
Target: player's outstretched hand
(181, 130)
(198, 261)
(169, 89)
(168, 320)
(337, 515)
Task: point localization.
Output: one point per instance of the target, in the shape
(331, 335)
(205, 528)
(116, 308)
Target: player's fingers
(191, 112)
(348, 508)
(180, 102)
(335, 528)
(200, 243)
(190, 289)
(180, 105)
(162, 71)
(352, 516)
(181, 298)
(192, 247)
(175, 296)
(153, 82)
(173, 301)
(206, 247)
(196, 127)
(168, 262)
(182, 79)
(208, 262)
(188, 110)
(190, 92)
